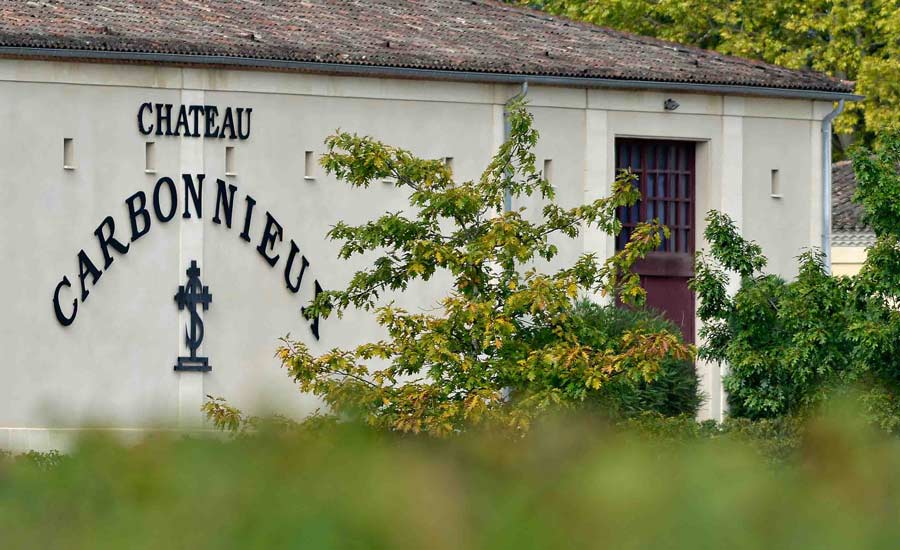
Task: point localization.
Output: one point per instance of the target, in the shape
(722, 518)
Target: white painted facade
(113, 366)
(849, 250)
(847, 260)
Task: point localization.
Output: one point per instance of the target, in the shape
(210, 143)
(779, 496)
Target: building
(850, 235)
(160, 149)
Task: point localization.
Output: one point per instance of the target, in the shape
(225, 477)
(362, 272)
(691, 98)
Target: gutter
(429, 74)
(826, 182)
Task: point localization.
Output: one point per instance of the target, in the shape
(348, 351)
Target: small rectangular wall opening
(448, 162)
(68, 154)
(309, 166)
(230, 169)
(548, 170)
(775, 188)
(150, 157)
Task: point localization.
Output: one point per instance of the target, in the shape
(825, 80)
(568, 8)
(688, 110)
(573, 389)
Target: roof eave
(348, 69)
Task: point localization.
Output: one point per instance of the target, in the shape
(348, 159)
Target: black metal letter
(193, 194)
(314, 326)
(228, 123)
(60, 316)
(195, 110)
(268, 240)
(157, 208)
(134, 213)
(143, 129)
(227, 202)
(304, 263)
(245, 234)
(86, 267)
(160, 117)
(240, 123)
(182, 122)
(211, 112)
(109, 240)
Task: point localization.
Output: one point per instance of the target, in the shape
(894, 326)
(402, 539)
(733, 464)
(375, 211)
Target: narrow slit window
(448, 162)
(309, 170)
(150, 157)
(68, 154)
(776, 184)
(548, 170)
(230, 169)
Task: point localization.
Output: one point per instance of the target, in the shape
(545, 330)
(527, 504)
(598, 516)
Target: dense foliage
(849, 39)
(501, 346)
(574, 483)
(675, 389)
(788, 345)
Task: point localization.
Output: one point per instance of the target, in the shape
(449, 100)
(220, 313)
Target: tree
(789, 345)
(848, 39)
(502, 346)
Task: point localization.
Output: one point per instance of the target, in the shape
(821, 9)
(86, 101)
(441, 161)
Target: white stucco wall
(847, 260)
(114, 363)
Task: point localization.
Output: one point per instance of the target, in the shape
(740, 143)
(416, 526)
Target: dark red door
(665, 171)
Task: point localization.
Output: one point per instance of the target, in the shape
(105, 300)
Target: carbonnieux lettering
(167, 119)
(145, 210)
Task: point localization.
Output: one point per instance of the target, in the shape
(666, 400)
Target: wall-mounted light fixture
(670, 104)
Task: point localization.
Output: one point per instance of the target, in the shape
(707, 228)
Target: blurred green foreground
(572, 483)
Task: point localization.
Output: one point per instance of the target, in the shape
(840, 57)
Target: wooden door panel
(672, 297)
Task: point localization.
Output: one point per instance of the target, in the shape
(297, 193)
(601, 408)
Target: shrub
(43, 460)
(675, 389)
(572, 482)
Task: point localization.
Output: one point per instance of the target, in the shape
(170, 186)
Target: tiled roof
(846, 215)
(481, 36)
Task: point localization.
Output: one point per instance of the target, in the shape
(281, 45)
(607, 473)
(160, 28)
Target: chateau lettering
(164, 119)
(164, 205)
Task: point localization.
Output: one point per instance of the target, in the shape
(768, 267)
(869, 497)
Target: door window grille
(665, 177)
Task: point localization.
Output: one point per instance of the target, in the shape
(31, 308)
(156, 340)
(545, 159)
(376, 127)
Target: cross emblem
(189, 296)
